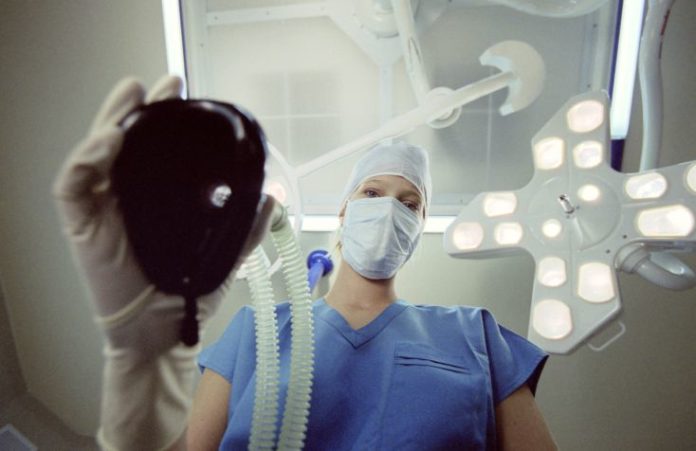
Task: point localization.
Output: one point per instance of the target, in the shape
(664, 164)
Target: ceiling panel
(317, 78)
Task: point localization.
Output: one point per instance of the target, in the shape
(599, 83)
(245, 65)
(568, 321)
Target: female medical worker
(388, 374)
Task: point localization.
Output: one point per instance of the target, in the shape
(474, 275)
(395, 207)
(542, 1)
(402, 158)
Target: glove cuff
(145, 404)
(127, 312)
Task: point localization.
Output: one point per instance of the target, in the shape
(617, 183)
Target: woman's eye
(371, 193)
(411, 205)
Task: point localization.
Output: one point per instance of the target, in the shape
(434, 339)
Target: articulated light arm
(522, 72)
(400, 125)
(410, 47)
(650, 76)
(658, 267)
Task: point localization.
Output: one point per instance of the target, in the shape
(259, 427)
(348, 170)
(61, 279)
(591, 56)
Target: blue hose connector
(319, 264)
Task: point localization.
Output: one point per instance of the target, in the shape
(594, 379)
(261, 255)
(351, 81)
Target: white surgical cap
(400, 158)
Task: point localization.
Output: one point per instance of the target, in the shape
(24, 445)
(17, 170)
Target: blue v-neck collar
(366, 333)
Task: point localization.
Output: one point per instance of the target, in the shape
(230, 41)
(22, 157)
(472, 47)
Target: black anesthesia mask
(188, 180)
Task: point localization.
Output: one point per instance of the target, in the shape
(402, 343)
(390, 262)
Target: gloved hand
(148, 374)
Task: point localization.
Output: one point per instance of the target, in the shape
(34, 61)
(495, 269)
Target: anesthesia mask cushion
(188, 181)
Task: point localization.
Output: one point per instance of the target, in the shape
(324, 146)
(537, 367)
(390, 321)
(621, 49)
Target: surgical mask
(379, 235)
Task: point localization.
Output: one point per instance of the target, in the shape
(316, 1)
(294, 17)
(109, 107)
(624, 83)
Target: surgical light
(508, 233)
(551, 228)
(588, 154)
(671, 221)
(585, 116)
(596, 282)
(589, 193)
(576, 220)
(551, 271)
(552, 319)
(646, 186)
(467, 235)
(691, 178)
(548, 153)
(499, 204)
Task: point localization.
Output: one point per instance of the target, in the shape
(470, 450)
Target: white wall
(59, 58)
(58, 61)
(11, 382)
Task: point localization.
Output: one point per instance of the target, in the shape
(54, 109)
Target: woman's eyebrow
(372, 184)
(415, 194)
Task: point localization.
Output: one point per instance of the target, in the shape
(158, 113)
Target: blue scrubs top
(417, 377)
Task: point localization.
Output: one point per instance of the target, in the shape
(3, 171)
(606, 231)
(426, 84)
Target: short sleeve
(223, 355)
(513, 360)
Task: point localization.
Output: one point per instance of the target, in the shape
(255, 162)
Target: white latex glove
(148, 374)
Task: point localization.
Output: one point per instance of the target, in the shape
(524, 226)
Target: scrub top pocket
(435, 401)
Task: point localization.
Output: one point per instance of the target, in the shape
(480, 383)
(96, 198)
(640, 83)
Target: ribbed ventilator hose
(296, 413)
(263, 427)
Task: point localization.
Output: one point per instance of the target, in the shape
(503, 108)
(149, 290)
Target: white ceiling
(315, 83)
